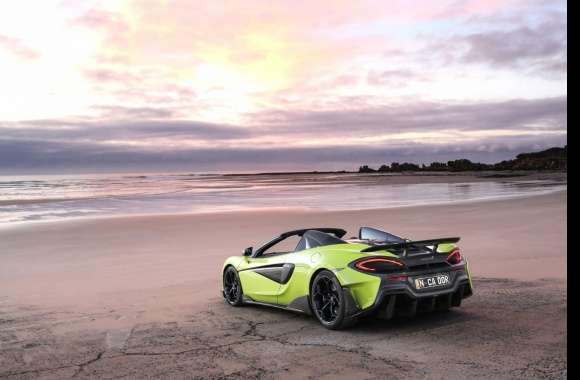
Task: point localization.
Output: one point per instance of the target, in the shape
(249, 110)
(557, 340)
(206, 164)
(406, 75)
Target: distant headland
(555, 159)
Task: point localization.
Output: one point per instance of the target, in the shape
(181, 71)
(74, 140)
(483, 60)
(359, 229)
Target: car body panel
(446, 248)
(297, 286)
(256, 285)
(363, 287)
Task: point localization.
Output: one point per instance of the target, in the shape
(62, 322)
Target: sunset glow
(152, 81)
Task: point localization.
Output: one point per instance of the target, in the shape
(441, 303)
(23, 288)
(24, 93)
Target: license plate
(433, 281)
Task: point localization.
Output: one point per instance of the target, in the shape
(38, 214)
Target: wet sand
(139, 296)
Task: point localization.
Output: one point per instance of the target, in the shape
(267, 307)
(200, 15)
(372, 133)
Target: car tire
(232, 287)
(328, 303)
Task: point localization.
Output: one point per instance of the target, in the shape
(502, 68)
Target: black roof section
(338, 232)
(315, 238)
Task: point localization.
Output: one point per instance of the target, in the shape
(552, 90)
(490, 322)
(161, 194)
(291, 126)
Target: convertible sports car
(339, 281)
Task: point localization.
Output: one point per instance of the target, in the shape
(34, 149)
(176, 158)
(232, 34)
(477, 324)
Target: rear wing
(408, 243)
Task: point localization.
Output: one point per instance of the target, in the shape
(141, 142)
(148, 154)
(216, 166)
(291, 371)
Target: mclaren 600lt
(316, 271)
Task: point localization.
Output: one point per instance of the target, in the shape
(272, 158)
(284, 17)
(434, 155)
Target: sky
(256, 85)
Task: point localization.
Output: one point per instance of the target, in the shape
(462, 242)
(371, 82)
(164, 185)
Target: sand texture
(136, 297)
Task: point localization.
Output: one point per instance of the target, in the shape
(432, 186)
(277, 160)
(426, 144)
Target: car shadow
(420, 322)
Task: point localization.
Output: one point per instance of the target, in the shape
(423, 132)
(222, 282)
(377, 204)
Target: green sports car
(316, 271)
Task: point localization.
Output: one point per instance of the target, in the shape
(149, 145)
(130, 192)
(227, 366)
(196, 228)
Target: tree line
(549, 159)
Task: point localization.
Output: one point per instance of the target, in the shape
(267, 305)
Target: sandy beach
(127, 295)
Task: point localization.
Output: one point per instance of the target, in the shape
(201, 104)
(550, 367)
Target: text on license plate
(432, 281)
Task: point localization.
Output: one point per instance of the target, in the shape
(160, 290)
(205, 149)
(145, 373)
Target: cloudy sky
(255, 85)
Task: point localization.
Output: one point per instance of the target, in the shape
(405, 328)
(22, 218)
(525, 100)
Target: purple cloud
(519, 114)
(518, 47)
(396, 77)
(525, 125)
(509, 43)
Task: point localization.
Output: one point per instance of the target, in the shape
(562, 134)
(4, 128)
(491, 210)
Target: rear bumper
(402, 299)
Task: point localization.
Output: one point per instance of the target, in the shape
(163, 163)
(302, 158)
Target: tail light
(454, 257)
(379, 265)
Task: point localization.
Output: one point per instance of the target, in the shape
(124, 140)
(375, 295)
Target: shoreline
(80, 219)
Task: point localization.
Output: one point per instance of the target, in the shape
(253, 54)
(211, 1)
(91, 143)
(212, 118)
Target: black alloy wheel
(232, 287)
(327, 300)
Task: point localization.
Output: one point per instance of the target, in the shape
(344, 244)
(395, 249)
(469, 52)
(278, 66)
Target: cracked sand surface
(501, 332)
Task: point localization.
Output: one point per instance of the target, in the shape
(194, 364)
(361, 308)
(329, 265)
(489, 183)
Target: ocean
(25, 199)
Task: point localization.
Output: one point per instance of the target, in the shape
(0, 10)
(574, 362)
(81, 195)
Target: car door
(293, 289)
(262, 276)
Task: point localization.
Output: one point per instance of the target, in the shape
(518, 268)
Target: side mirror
(248, 251)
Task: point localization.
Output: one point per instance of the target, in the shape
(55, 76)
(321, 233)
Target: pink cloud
(250, 54)
(180, 32)
(18, 48)
(101, 19)
(461, 8)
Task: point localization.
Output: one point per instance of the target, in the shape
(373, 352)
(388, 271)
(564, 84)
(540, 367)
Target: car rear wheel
(327, 301)
(232, 287)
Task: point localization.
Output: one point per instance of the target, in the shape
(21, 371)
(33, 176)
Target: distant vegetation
(550, 159)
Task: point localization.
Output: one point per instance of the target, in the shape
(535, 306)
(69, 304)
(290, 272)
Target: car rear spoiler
(404, 245)
(338, 232)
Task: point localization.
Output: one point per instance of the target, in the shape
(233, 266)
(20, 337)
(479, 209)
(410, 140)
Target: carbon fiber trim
(280, 273)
